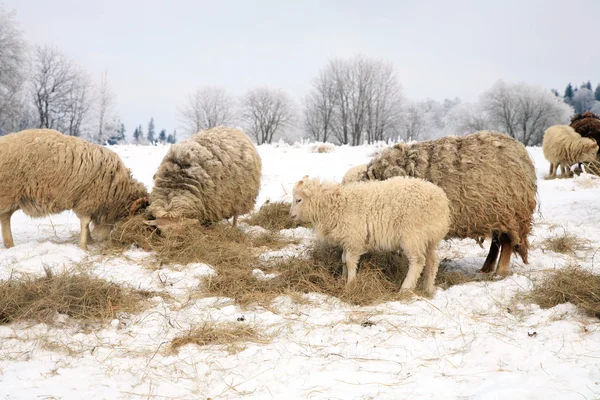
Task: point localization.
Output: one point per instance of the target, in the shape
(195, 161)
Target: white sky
(158, 51)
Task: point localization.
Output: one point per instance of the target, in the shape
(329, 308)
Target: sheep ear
(305, 178)
(306, 192)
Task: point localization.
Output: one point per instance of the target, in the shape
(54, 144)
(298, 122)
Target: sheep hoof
(430, 292)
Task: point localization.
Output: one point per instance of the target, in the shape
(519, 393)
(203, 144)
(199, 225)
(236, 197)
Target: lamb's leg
(431, 268)
(351, 265)
(490, 261)
(416, 263)
(6, 231)
(85, 230)
(344, 268)
(235, 220)
(505, 254)
(553, 168)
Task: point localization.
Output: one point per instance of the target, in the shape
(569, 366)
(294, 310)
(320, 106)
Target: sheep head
(301, 195)
(589, 150)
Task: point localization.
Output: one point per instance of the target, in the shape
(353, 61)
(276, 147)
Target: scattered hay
(565, 243)
(274, 217)
(217, 245)
(570, 284)
(592, 167)
(79, 296)
(230, 335)
(320, 271)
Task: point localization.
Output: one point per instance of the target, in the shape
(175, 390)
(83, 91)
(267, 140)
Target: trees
(105, 103)
(206, 108)
(354, 100)
(597, 93)
(138, 134)
(60, 91)
(172, 138)
(583, 100)
(162, 136)
(523, 111)
(568, 93)
(13, 64)
(265, 112)
(150, 135)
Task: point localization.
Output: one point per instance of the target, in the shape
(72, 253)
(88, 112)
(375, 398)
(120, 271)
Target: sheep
(355, 174)
(213, 175)
(563, 147)
(44, 172)
(587, 125)
(401, 213)
(490, 181)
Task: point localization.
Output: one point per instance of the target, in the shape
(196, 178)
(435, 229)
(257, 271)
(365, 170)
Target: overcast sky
(158, 51)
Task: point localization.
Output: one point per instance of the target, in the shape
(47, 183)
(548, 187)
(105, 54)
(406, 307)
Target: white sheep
(355, 174)
(407, 214)
(563, 147)
(44, 172)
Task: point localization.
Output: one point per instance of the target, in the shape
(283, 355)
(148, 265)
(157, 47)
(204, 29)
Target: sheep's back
(215, 174)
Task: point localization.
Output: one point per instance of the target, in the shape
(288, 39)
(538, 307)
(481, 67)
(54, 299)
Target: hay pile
(79, 296)
(274, 217)
(230, 335)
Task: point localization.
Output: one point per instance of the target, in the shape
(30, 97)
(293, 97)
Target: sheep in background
(489, 179)
(587, 125)
(213, 175)
(355, 174)
(405, 214)
(44, 172)
(564, 147)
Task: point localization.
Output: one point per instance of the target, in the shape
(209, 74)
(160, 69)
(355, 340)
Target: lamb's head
(303, 193)
(589, 150)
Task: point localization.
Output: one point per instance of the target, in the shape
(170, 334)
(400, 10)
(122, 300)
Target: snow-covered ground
(472, 341)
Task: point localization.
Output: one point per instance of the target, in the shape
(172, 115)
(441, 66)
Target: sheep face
(590, 150)
(301, 195)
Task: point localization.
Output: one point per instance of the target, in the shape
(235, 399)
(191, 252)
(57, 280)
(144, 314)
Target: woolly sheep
(489, 179)
(213, 175)
(44, 172)
(405, 214)
(564, 147)
(355, 174)
(587, 125)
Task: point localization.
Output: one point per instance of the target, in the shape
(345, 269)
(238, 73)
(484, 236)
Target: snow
(471, 341)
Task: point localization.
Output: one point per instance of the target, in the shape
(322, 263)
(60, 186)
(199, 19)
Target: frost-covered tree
(118, 136)
(151, 132)
(172, 138)
(206, 108)
(523, 111)
(583, 100)
(138, 135)
(14, 110)
(162, 136)
(587, 85)
(597, 93)
(107, 121)
(265, 112)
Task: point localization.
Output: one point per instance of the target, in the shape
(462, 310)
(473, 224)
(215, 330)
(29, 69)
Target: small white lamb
(400, 213)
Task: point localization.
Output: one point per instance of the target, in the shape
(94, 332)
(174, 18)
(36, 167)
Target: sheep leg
(490, 261)
(85, 230)
(351, 265)
(235, 220)
(344, 268)
(431, 268)
(553, 168)
(7, 237)
(416, 263)
(505, 254)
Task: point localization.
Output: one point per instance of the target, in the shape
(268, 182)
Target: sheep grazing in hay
(211, 176)
(564, 147)
(401, 213)
(355, 174)
(489, 179)
(44, 172)
(587, 125)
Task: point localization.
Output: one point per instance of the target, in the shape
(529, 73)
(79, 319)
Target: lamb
(405, 214)
(564, 147)
(213, 175)
(355, 174)
(489, 179)
(44, 172)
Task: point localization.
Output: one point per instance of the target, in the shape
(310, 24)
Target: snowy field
(471, 341)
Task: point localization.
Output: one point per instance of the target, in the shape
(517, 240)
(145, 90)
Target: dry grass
(274, 217)
(565, 243)
(570, 284)
(79, 296)
(319, 271)
(592, 168)
(219, 245)
(229, 335)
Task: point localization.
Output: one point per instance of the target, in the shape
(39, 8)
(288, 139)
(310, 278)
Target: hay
(565, 243)
(79, 296)
(570, 284)
(230, 334)
(274, 217)
(592, 167)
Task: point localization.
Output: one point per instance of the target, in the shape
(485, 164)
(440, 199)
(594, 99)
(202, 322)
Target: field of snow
(471, 341)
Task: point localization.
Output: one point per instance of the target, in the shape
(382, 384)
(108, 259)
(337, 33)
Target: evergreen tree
(597, 93)
(172, 138)
(162, 136)
(555, 92)
(587, 85)
(137, 135)
(119, 135)
(151, 132)
(568, 93)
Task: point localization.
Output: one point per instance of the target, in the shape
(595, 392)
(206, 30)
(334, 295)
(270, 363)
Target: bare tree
(13, 68)
(354, 100)
(206, 108)
(524, 111)
(265, 112)
(105, 103)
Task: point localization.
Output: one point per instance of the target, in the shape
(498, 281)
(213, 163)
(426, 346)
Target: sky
(156, 52)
